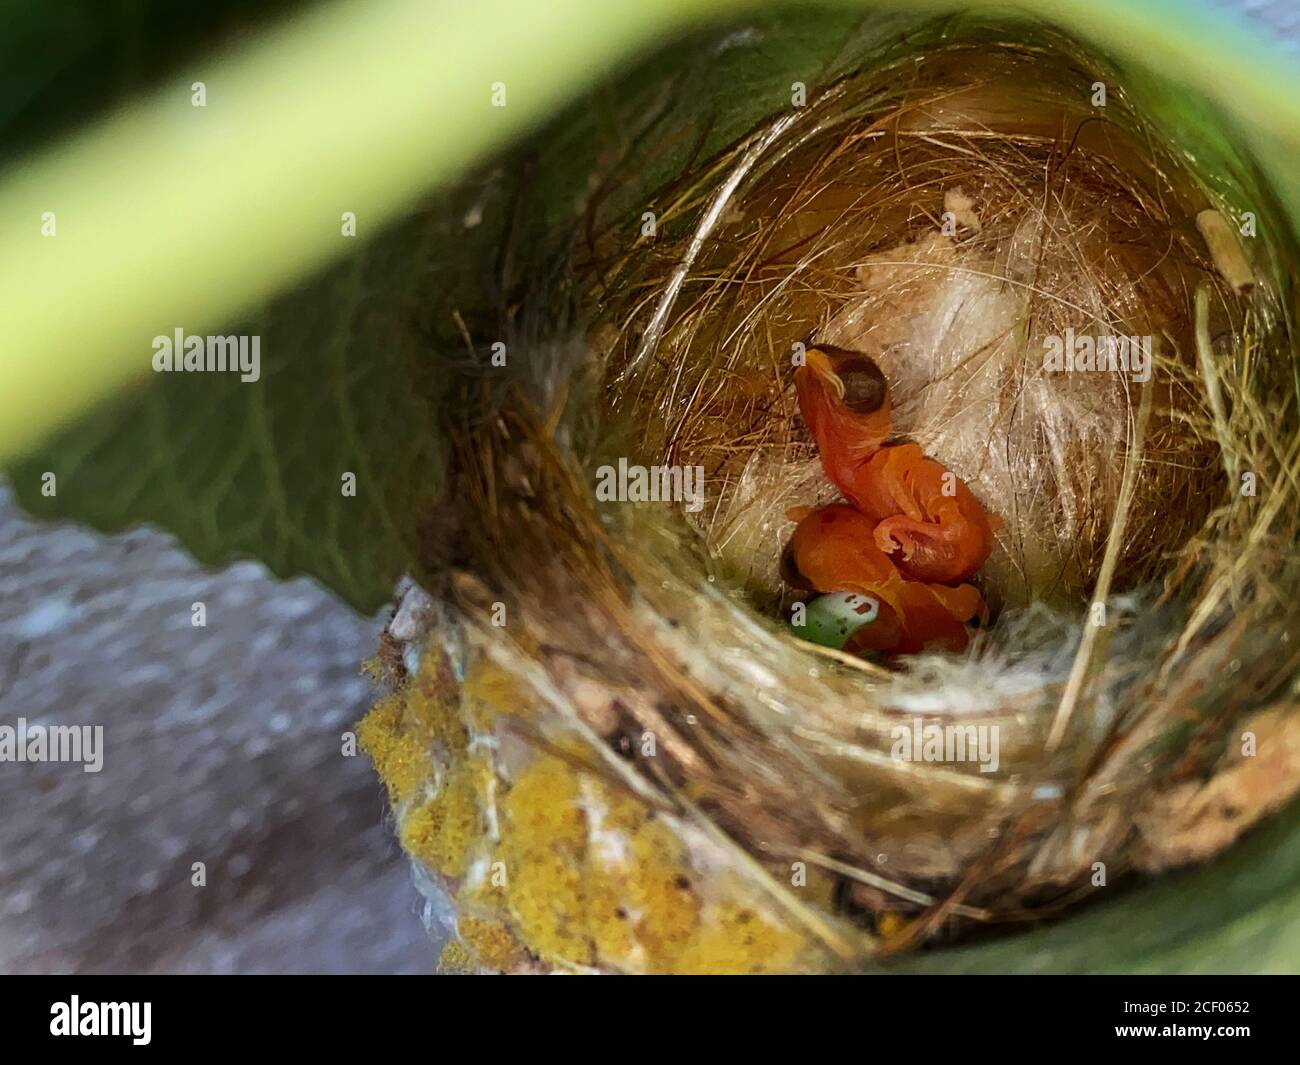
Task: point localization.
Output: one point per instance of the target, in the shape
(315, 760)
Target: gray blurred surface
(221, 744)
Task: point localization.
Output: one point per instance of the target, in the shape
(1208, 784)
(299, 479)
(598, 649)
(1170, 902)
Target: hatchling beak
(817, 362)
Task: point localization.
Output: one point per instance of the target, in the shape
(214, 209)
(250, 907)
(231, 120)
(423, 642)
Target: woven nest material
(604, 744)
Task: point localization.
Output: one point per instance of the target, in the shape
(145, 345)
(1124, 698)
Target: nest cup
(600, 700)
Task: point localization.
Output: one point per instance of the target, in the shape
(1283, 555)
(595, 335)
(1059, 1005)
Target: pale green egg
(830, 620)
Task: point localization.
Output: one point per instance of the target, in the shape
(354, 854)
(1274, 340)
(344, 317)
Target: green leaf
(256, 469)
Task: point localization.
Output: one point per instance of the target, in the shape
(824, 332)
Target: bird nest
(605, 744)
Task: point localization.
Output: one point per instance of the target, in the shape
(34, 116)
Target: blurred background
(225, 750)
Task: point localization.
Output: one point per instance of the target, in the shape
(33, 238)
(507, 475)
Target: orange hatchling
(913, 531)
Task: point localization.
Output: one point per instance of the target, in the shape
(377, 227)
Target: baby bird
(925, 516)
(912, 532)
(833, 550)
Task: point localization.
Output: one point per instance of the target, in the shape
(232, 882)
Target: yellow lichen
(455, 959)
(430, 709)
(490, 692)
(733, 939)
(613, 817)
(584, 873)
(543, 844)
(400, 759)
(594, 879)
(491, 941)
(485, 892)
(442, 832)
(662, 893)
(607, 917)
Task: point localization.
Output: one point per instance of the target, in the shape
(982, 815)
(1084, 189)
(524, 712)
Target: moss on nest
(569, 871)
